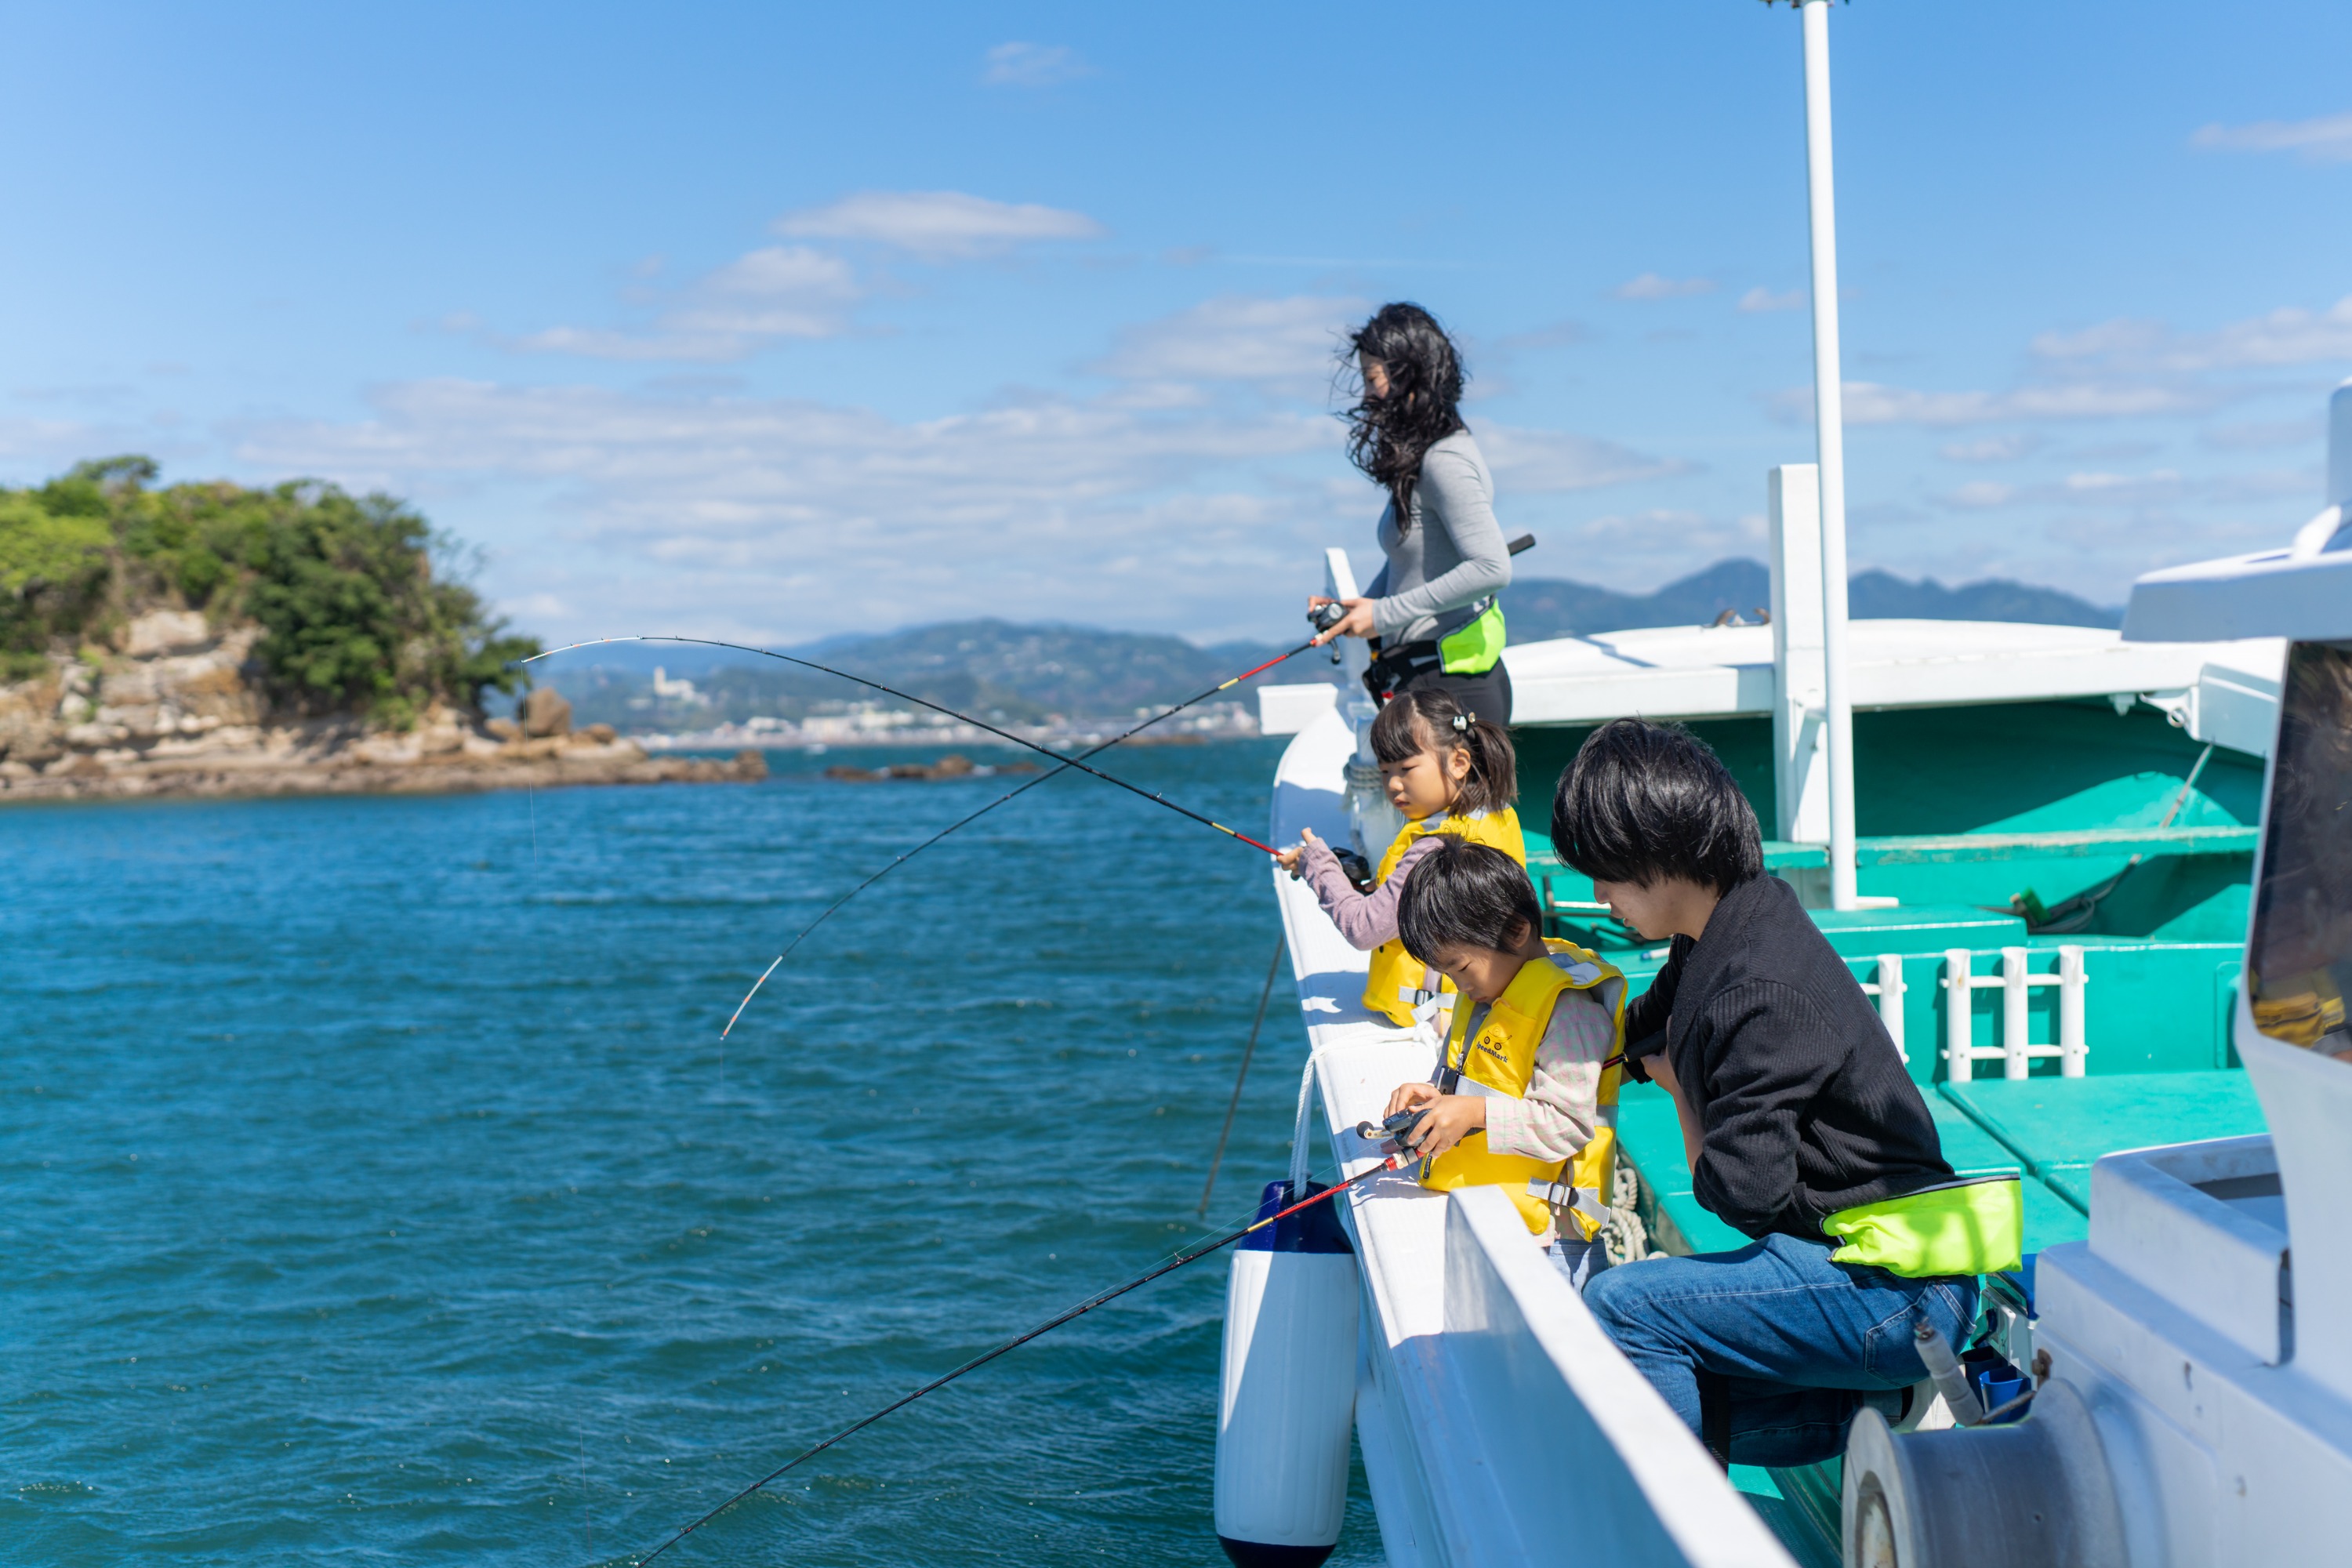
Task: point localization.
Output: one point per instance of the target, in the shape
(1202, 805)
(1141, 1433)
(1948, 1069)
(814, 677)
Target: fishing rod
(960, 823)
(1063, 764)
(1042, 749)
(1395, 1161)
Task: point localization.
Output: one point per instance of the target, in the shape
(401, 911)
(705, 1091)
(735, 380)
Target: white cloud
(1032, 65)
(2111, 488)
(1655, 546)
(1870, 403)
(2254, 437)
(781, 291)
(1979, 494)
(2292, 335)
(937, 225)
(1533, 461)
(1991, 448)
(711, 509)
(1237, 338)
(794, 519)
(1760, 298)
(2326, 140)
(2121, 369)
(1651, 286)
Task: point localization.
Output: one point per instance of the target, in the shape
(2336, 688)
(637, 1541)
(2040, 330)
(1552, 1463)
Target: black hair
(1462, 894)
(1429, 720)
(1643, 801)
(1387, 436)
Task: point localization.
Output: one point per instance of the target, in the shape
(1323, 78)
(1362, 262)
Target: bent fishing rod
(958, 825)
(1394, 1162)
(1063, 764)
(1041, 748)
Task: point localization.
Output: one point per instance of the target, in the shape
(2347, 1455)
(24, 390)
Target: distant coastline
(1056, 683)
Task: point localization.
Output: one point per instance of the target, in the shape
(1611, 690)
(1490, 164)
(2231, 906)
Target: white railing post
(2073, 1044)
(1355, 654)
(1889, 990)
(1958, 1058)
(2014, 1013)
(1800, 771)
(1828, 437)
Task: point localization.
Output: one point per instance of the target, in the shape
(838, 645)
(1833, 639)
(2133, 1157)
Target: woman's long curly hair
(1387, 437)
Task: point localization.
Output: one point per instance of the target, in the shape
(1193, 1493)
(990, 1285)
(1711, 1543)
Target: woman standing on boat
(1431, 613)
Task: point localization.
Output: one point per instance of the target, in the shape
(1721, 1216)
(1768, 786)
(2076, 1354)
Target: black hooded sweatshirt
(1806, 1107)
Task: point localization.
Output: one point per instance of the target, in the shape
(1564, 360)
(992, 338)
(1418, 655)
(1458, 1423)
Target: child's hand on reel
(1288, 859)
(1446, 1120)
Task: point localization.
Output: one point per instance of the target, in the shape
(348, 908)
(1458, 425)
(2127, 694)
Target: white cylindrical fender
(1288, 1397)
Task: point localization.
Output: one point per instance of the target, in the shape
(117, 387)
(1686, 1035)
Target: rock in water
(546, 713)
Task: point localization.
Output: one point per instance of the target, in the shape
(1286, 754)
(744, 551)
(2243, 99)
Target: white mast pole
(1829, 434)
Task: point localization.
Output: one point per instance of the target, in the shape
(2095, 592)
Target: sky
(784, 321)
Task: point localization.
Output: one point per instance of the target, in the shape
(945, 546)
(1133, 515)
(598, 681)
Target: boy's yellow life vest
(1502, 1058)
(1396, 983)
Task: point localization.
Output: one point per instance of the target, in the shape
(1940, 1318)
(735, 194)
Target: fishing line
(1042, 751)
(1064, 764)
(1273, 966)
(1392, 1163)
(960, 823)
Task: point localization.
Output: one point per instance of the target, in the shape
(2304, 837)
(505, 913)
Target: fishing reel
(1358, 869)
(1323, 617)
(1396, 1130)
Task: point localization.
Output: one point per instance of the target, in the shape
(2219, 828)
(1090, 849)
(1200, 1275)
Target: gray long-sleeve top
(1453, 556)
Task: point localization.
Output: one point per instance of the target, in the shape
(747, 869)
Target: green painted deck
(2061, 1126)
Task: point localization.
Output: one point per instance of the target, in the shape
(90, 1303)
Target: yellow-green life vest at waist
(1973, 1225)
(1476, 647)
(1397, 980)
(1502, 1057)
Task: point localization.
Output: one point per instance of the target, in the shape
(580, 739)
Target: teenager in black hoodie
(1794, 1106)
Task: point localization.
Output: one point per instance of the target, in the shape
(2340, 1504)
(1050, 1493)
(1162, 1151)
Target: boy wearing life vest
(1525, 1096)
(1802, 1126)
(1448, 773)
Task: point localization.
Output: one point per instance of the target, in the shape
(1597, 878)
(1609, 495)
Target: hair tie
(1462, 724)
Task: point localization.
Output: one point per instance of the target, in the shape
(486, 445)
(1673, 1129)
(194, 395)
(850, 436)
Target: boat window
(2301, 957)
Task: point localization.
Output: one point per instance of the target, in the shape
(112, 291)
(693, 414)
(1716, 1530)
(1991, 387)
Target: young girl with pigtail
(1448, 771)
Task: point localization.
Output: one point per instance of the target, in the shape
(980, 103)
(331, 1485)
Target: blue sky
(788, 320)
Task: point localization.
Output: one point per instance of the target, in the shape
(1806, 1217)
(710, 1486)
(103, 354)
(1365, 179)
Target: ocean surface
(380, 1191)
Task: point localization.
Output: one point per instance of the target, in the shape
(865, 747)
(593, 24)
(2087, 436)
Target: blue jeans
(1579, 1262)
(1799, 1340)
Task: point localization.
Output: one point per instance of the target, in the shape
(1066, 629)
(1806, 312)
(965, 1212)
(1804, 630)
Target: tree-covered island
(210, 638)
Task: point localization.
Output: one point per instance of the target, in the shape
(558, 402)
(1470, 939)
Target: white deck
(1498, 1423)
(1678, 672)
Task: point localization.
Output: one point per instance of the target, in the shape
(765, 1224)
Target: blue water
(379, 1190)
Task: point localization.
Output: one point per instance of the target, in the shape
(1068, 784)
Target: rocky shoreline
(176, 708)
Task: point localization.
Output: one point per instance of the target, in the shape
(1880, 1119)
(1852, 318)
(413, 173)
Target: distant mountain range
(1031, 673)
(1539, 608)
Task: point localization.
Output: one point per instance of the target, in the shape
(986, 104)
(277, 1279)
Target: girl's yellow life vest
(1502, 1057)
(1397, 979)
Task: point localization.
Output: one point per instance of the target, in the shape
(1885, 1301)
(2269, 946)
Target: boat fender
(1287, 1405)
